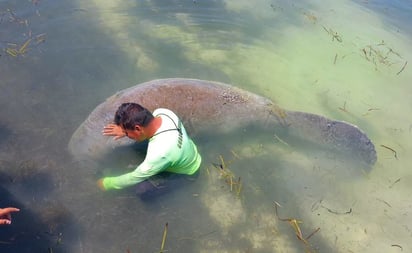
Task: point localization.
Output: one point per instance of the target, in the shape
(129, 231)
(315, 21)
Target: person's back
(172, 139)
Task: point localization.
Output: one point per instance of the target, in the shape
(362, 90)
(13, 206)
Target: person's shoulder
(163, 111)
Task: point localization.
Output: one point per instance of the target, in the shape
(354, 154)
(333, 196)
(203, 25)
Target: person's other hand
(100, 184)
(5, 215)
(114, 130)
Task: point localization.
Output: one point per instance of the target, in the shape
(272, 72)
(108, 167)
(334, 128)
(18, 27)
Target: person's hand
(5, 215)
(114, 130)
(100, 184)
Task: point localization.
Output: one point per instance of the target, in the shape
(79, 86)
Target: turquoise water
(347, 60)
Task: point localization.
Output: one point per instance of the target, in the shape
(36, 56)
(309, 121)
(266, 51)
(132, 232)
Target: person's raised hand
(5, 215)
(114, 130)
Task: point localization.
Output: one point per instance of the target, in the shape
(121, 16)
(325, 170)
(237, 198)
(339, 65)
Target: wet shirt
(170, 149)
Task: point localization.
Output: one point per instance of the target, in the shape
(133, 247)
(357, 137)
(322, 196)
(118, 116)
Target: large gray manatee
(212, 107)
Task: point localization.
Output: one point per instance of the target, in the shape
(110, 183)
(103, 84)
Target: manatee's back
(214, 108)
(202, 105)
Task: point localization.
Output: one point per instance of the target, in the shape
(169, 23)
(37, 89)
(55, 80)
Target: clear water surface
(346, 60)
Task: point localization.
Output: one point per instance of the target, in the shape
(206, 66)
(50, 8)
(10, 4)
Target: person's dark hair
(130, 114)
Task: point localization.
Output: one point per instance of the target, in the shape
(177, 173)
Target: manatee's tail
(338, 135)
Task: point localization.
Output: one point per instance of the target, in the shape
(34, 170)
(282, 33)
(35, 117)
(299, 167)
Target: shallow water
(345, 60)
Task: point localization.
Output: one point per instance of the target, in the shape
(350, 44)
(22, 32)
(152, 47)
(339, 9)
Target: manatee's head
(351, 139)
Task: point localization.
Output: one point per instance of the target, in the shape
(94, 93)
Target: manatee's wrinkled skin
(207, 107)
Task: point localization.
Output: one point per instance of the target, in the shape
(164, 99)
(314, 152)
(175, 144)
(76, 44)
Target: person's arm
(142, 172)
(5, 215)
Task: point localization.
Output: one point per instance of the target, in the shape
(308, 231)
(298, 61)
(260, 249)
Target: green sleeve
(145, 170)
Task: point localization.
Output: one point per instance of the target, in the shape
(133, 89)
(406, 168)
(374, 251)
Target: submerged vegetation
(333, 34)
(381, 54)
(294, 223)
(15, 49)
(234, 182)
(162, 246)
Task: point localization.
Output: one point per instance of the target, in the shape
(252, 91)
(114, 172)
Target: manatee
(214, 107)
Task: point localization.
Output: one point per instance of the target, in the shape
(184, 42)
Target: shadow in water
(42, 225)
(4, 133)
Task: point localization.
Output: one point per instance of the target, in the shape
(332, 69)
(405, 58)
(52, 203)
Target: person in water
(5, 215)
(169, 147)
